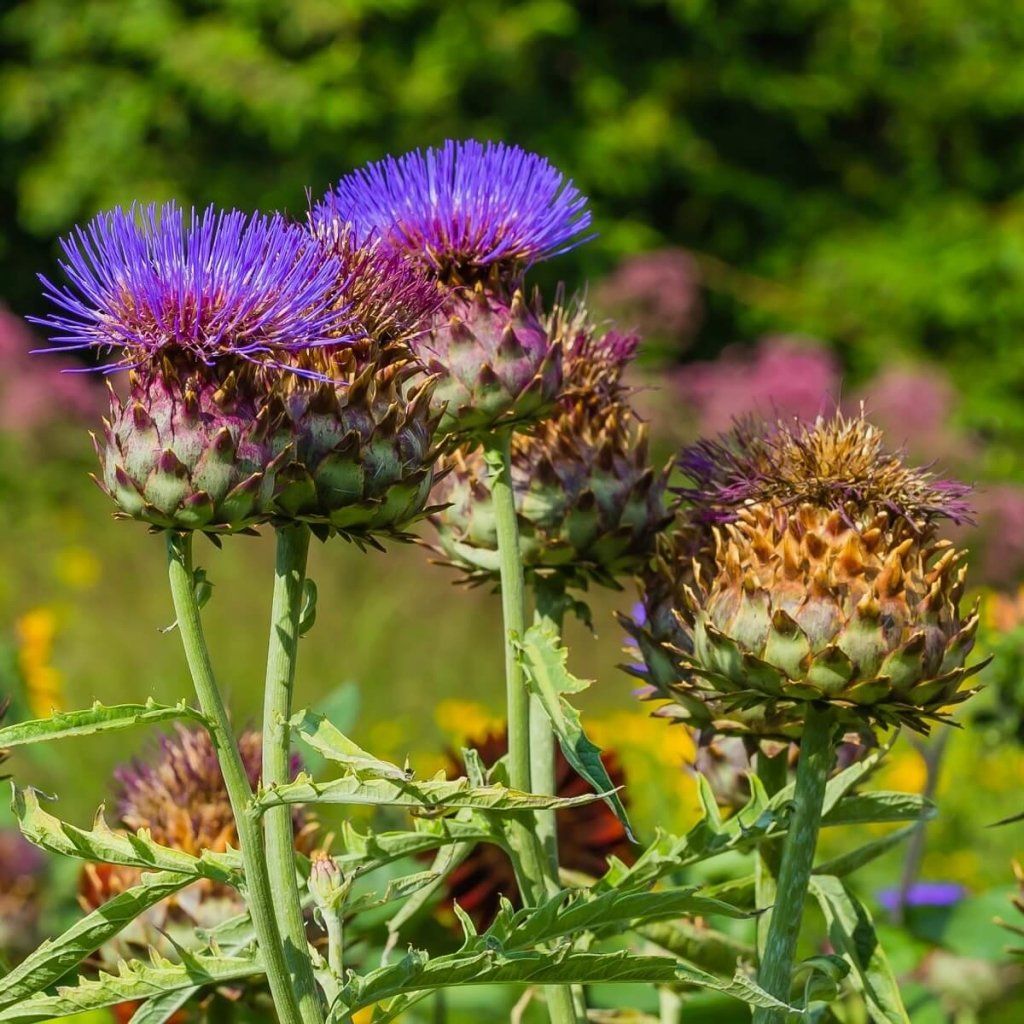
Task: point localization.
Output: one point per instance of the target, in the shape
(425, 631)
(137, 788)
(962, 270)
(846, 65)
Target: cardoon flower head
(475, 216)
(588, 500)
(209, 311)
(153, 284)
(178, 795)
(466, 210)
(810, 569)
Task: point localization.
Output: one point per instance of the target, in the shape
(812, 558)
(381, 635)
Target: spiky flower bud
(821, 578)
(476, 215)
(589, 502)
(327, 885)
(351, 435)
(202, 308)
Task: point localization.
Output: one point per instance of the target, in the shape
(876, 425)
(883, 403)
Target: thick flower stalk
(811, 592)
(589, 504)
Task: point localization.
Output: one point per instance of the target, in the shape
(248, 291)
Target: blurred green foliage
(848, 169)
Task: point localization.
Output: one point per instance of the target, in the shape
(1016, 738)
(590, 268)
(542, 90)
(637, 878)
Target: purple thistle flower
(152, 281)
(464, 208)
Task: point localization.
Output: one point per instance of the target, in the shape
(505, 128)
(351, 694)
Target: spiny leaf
(842, 782)
(56, 957)
(700, 945)
(327, 740)
(96, 719)
(852, 935)
(583, 911)
(879, 807)
(103, 845)
(544, 662)
(847, 863)
(417, 972)
(433, 795)
(363, 852)
(135, 980)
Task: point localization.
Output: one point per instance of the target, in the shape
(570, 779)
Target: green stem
(550, 609)
(773, 773)
(335, 926)
(258, 894)
(816, 750)
(532, 867)
(278, 830)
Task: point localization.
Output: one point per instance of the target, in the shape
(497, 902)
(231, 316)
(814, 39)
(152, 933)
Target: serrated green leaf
(879, 807)
(56, 957)
(362, 852)
(432, 795)
(852, 935)
(326, 739)
(842, 782)
(97, 719)
(417, 972)
(847, 863)
(134, 981)
(544, 663)
(700, 945)
(103, 845)
(583, 911)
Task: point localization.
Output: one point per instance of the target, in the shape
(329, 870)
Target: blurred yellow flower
(77, 567)
(963, 866)
(463, 720)
(44, 684)
(905, 771)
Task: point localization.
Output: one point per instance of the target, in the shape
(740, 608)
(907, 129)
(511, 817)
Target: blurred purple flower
(21, 868)
(463, 207)
(784, 377)
(656, 293)
(32, 396)
(923, 894)
(154, 280)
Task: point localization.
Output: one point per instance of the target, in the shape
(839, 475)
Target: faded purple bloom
(464, 207)
(657, 292)
(922, 894)
(783, 377)
(179, 794)
(155, 281)
(832, 463)
(21, 868)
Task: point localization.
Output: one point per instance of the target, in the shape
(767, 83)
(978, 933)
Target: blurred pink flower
(998, 539)
(914, 406)
(783, 376)
(655, 293)
(34, 394)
